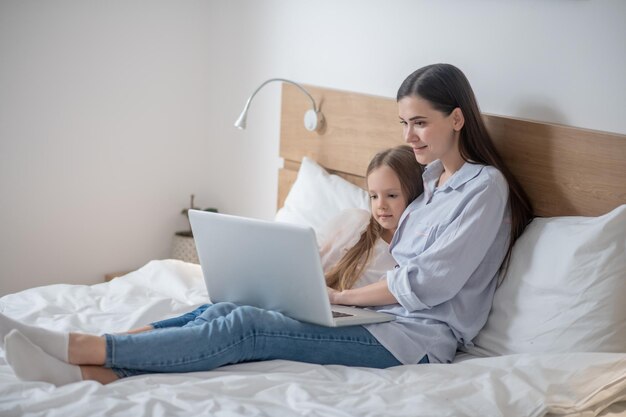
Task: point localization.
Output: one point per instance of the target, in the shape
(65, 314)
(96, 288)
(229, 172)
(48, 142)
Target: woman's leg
(147, 328)
(227, 334)
(31, 363)
(98, 373)
(85, 349)
(52, 341)
(224, 334)
(179, 321)
(57, 343)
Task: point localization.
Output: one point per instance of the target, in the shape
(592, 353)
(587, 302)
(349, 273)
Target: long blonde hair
(401, 160)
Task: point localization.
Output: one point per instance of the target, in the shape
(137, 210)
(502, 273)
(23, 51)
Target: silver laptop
(274, 266)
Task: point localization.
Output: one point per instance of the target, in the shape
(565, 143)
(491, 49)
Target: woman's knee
(247, 316)
(214, 311)
(242, 320)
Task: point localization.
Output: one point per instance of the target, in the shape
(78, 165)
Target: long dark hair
(401, 160)
(445, 87)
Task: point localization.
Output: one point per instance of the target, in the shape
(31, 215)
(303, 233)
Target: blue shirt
(449, 245)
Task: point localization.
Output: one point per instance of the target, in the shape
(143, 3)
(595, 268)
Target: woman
(449, 243)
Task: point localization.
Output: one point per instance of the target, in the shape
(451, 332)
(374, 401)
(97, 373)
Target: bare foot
(98, 373)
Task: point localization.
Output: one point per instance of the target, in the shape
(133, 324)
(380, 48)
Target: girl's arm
(375, 294)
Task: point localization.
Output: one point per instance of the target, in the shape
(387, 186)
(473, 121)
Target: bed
(554, 344)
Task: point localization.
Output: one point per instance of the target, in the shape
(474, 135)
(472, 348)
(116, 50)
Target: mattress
(577, 384)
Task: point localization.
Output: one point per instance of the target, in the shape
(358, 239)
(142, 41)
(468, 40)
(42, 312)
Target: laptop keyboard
(338, 314)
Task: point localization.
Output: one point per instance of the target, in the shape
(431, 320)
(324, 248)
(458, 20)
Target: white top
(342, 233)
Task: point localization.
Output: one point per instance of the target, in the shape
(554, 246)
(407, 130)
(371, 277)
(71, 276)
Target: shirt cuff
(399, 286)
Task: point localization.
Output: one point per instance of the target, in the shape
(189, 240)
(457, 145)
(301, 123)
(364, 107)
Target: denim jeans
(220, 334)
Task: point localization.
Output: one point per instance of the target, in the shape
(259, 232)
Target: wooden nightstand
(113, 275)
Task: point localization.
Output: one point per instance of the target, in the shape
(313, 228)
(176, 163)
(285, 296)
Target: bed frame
(564, 170)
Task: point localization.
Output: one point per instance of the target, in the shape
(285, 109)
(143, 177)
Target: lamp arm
(285, 81)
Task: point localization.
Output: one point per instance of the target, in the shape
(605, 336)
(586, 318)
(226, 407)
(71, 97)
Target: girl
(358, 238)
(238, 333)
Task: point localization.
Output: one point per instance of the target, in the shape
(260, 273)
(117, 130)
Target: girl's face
(432, 134)
(387, 198)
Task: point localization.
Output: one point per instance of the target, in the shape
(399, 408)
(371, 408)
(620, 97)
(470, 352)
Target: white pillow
(564, 291)
(316, 197)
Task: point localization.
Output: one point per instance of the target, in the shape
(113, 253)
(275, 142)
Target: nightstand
(113, 275)
(184, 248)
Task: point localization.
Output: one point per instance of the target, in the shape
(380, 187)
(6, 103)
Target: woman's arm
(476, 238)
(375, 294)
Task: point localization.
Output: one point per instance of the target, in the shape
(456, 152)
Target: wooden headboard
(564, 170)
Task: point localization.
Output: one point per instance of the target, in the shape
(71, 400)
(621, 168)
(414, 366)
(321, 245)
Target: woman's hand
(333, 295)
(371, 295)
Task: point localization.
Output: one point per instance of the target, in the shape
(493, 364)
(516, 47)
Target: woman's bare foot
(98, 373)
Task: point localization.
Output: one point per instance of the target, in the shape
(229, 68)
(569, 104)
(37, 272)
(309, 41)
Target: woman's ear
(458, 120)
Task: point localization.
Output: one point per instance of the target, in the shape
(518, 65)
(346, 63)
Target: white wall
(113, 112)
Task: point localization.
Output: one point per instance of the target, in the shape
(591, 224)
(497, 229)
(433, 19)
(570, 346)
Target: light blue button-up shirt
(449, 246)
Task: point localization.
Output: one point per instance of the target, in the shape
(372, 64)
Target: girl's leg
(241, 334)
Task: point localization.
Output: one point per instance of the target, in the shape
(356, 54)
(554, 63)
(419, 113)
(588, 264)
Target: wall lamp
(313, 118)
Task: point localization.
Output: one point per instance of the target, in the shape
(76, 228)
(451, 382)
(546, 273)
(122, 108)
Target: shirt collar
(434, 170)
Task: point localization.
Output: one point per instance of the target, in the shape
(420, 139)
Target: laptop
(270, 265)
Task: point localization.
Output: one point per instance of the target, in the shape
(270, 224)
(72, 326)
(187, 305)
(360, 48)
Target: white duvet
(578, 384)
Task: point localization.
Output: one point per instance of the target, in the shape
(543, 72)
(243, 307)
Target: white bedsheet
(580, 384)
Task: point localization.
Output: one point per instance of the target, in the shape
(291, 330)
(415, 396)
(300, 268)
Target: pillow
(316, 197)
(564, 290)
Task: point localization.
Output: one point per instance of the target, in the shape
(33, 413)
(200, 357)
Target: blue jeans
(220, 334)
